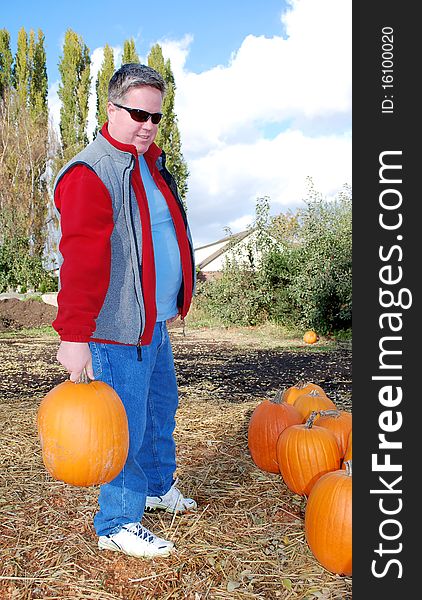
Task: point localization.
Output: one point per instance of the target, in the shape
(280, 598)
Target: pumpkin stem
(309, 423)
(348, 464)
(83, 378)
(278, 398)
(330, 413)
(314, 393)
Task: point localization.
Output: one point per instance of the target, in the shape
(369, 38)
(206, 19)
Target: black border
(373, 133)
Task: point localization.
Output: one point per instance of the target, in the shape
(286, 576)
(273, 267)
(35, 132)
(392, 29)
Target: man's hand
(172, 319)
(75, 357)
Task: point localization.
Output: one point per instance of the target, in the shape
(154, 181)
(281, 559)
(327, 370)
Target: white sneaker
(135, 540)
(173, 501)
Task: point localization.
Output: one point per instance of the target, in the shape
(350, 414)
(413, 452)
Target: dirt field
(245, 541)
(16, 314)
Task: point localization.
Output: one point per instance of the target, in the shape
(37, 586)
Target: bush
(234, 298)
(304, 282)
(21, 271)
(322, 285)
(277, 271)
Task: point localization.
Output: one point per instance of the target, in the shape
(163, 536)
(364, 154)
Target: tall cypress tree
(21, 67)
(103, 78)
(168, 137)
(24, 122)
(38, 112)
(129, 52)
(74, 68)
(6, 60)
(38, 85)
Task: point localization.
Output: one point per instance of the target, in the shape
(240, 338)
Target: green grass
(36, 297)
(269, 335)
(343, 336)
(29, 332)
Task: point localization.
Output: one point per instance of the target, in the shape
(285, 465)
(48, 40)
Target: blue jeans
(148, 390)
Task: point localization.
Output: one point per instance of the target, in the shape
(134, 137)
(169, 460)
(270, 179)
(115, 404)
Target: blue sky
(263, 91)
(219, 27)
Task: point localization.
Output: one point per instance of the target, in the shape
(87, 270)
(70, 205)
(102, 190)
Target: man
(127, 269)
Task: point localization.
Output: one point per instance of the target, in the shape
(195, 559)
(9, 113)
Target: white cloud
(278, 112)
(54, 104)
(241, 223)
(298, 86)
(224, 184)
(178, 50)
(307, 74)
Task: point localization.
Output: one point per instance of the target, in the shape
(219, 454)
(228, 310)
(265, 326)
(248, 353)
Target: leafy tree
(284, 227)
(103, 78)
(21, 67)
(24, 125)
(6, 60)
(168, 137)
(74, 68)
(24, 197)
(20, 268)
(38, 113)
(323, 283)
(23, 193)
(38, 84)
(129, 52)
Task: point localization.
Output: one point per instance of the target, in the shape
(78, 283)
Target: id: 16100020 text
(387, 69)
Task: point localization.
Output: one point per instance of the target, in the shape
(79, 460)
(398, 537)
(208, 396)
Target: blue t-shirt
(168, 268)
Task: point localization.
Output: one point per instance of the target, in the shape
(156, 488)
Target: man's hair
(132, 75)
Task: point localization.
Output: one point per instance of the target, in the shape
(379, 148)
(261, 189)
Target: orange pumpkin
(291, 394)
(310, 337)
(328, 520)
(348, 453)
(83, 431)
(268, 420)
(340, 423)
(304, 453)
(312, 401)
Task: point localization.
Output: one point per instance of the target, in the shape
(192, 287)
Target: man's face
(124, 129)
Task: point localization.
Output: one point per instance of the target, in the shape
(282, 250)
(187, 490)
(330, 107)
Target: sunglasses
(141, 116)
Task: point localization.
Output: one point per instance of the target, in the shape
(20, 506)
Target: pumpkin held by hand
(83, 432)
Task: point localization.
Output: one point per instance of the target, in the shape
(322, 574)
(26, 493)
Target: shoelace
(141, 532)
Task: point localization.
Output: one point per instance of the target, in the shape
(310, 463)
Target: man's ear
(111, 109)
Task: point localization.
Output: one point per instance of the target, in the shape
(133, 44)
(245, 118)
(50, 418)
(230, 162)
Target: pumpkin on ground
(83, 431)
(340, 423)
(348, 453)
(268, 420)
(312, 401)
(310, 337)
(304, 453)
(328, 520)
(291, 394)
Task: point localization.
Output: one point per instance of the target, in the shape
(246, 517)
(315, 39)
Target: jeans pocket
(96, 360)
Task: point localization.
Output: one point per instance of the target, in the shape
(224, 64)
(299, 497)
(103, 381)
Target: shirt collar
(151, 154)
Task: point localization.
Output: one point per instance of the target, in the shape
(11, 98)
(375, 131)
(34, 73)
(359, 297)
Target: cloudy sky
(264, 94)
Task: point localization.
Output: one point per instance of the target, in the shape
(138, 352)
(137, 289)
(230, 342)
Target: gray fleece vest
(122, 316)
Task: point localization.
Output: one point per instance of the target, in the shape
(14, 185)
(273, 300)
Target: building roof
(236, 237)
